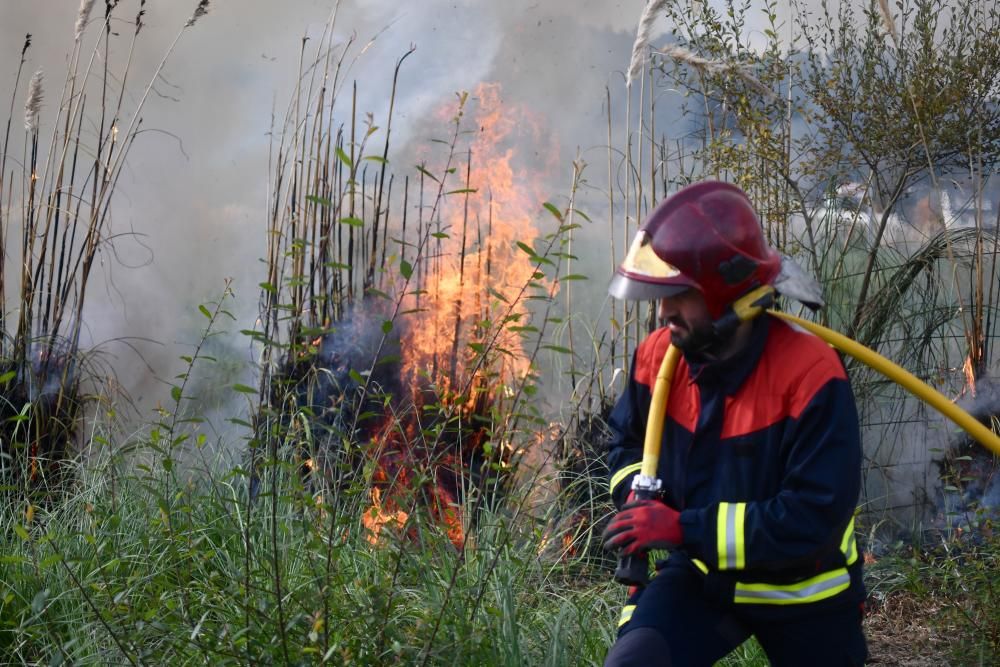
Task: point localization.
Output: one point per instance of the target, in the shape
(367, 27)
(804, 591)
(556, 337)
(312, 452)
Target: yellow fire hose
(634, 570)
(900, 376)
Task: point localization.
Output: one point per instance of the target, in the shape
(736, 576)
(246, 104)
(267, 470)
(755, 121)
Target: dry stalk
(890, 24)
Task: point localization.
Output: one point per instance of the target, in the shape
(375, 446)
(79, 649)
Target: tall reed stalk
(55, 221)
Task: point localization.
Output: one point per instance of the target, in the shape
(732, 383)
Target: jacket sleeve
(628, 426)
(808, 520)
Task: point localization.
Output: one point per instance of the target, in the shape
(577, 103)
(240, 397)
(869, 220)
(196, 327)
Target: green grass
(155, 569)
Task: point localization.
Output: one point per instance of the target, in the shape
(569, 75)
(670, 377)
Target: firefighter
(760, 462)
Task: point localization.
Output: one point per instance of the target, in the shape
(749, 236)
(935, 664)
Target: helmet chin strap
(711, 341)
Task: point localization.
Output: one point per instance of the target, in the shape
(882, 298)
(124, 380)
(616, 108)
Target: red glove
(643, 525)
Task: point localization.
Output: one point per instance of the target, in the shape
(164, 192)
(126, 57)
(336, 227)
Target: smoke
(984, 403)
(190, 206)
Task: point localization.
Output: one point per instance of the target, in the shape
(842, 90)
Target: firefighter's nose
(664, 309)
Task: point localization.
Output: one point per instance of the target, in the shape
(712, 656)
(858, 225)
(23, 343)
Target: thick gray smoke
(194, 190)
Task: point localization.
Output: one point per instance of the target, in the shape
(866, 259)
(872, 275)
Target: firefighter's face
(687, 317)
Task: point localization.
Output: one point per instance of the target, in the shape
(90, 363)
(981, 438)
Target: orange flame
(460, 314)
(378, 516)
(970, 374)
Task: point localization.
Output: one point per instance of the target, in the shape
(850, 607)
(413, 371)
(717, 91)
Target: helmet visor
(642, 262)
(643, 275)
(627, 288)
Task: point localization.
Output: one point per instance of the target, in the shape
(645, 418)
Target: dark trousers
(676, 625)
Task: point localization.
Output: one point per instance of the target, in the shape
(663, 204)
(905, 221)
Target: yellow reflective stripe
(817, 588)
(729, 536)
(626, 615)
(701, 566)
(619, 476)
(741, 556)
(849, 544)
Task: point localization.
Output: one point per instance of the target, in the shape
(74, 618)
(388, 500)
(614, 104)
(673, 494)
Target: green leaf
(440, 235)
(376, 158)
(551, 208)
(526, 248)
(386, 326)
(344, 157)
(243, 389)
(21, 532)
(356, 376)
(492, 292)
(38, 602)
(7, 377)
(175, 393)
(268, 287)
(461, 191)
(352, 221)
(426, 173)
(13, 560)
(405, 268)
(574, 276)
(49, 561)
(322, 201)
(558, 348)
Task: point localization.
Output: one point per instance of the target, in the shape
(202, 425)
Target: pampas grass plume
(83, 16)
(33, 105)
(642, 37)
(199, 11)
(681, 54)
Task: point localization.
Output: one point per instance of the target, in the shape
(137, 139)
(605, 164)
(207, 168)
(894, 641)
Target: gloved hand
(643, 525)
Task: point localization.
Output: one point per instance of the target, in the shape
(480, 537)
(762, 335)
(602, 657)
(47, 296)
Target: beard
(699, 338)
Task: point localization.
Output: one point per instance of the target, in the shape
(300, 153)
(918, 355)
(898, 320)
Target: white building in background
(919, 215)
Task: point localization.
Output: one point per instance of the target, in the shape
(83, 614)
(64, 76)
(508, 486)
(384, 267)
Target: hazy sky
(195, 192)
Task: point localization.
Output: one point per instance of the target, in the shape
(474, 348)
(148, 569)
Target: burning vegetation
(395, 318)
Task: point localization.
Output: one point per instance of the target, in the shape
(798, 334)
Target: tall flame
(476, 276)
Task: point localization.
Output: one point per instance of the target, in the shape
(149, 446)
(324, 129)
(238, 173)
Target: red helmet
(706, 236)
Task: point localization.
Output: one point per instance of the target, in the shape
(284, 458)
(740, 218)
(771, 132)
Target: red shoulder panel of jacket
(683, 404)
(649, 356)
(794, 366)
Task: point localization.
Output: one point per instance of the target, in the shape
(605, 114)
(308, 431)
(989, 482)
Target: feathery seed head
(643, 34)
(681, 54)
(199, 11)
(33, 105)
(83, 16)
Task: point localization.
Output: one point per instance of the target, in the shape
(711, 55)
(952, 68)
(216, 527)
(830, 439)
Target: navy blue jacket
(762, 456)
